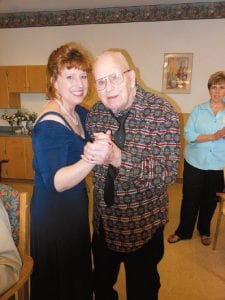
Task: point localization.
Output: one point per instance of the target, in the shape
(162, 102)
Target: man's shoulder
(98, 108)
(153, 101)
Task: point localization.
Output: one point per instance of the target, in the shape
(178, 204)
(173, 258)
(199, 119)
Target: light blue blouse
(207, 155)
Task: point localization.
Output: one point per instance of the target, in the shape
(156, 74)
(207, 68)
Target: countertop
(5, 131)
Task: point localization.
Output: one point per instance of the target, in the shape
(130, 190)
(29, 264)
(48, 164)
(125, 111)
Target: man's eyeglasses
(115, 79)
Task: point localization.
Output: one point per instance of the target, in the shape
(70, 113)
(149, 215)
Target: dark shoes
(205, 240)
(173, 238)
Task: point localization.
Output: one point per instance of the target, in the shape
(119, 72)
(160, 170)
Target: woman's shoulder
(49, 120)
(50, 134)
(49, 111)
(202, 105)
(49, 129)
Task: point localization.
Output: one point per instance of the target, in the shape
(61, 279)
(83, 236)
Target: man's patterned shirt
(149, 163)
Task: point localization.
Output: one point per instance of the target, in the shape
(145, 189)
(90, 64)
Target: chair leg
(23, 293)
(217, 226)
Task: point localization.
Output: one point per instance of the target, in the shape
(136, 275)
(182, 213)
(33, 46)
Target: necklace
(73, 118)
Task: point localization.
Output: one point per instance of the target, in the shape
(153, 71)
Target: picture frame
(177, 71)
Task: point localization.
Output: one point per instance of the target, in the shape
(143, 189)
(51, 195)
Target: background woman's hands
(220, 134)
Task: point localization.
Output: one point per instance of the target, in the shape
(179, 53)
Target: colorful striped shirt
(149, 163)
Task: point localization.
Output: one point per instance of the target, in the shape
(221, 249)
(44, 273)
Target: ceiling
(10, 6)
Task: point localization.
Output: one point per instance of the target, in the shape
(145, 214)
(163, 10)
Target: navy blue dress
(60, 237)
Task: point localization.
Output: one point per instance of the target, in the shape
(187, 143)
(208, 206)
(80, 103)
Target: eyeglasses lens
(115, 79)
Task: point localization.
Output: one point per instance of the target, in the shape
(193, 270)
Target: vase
(12, 129)
(29, 127)
(24, 127)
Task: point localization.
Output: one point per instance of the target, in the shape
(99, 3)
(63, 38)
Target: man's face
(115, 85)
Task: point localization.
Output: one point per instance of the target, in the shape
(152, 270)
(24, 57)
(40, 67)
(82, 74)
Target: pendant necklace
(73, 118)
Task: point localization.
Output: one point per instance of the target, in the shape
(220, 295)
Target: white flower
(18, 117)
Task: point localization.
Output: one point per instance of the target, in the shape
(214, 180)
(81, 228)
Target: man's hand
(102, 150)
(115, 154)
(98, 152)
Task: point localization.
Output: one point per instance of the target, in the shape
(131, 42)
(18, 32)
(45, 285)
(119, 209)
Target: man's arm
(156, 168)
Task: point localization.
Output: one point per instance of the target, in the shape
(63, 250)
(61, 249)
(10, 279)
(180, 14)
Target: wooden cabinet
(37, 79)
(27, 79)
(18, 152)
(20, 79)
(28, 154)
(7, 99)
(16, 78)
(2, 156)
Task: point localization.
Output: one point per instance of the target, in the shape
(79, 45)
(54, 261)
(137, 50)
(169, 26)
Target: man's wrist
(116, 161)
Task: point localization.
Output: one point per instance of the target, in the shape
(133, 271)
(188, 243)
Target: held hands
(102, 150)
(219, 134)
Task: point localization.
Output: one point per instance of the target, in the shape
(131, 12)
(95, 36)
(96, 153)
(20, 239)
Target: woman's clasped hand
(99, 150)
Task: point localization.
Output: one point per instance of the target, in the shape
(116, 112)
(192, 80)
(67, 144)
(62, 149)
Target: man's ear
(132, 78)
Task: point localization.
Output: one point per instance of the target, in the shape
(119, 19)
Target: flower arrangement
(19, 116)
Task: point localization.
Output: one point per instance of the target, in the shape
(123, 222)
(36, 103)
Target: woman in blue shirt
(204, 160)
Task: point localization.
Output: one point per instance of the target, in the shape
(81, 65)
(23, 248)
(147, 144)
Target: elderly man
(130, 189)
(10, 262)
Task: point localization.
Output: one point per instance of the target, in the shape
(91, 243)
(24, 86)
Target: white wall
(146, 43)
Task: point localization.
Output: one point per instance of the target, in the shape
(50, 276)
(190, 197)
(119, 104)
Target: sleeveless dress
(60, 236)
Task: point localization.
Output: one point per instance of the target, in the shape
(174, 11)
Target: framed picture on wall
(177, 70)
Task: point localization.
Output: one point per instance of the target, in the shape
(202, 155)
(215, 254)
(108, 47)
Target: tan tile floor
(189, 270)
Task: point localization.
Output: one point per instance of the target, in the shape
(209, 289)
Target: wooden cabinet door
(4, 95)
(16, 155)
(3, 156)
(18, 152)
(28, 158)
(36, 79)
(7, 100)
(16, 79)
(21, 79)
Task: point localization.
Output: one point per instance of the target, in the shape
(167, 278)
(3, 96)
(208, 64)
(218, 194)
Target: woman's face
(72, 85)
(217, 91)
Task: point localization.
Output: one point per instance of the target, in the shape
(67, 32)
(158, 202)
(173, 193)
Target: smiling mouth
(112, 97)
(77, 93)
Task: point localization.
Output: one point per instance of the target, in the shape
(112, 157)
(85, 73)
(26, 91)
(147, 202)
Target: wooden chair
(18, 207)
(221, 212)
